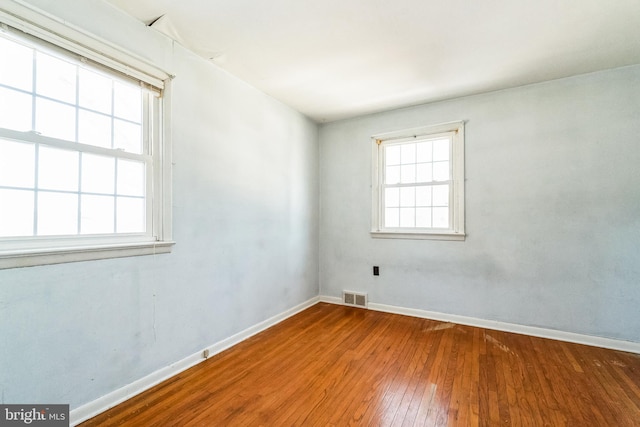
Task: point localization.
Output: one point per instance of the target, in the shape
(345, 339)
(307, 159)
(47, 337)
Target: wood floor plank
(341, 366)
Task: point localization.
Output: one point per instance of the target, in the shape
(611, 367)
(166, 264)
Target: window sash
(384, 207)
(42, 141)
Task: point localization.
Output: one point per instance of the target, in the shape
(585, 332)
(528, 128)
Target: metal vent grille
(356, 299)
(349, 298)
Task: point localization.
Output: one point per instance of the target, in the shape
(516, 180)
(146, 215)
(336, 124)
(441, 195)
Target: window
(418, 183)
(83, 161)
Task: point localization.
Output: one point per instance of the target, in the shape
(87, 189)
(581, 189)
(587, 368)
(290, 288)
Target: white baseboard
(613, 344)
(112, 399)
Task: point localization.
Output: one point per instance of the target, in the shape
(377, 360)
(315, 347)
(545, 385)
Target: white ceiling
(334, 59)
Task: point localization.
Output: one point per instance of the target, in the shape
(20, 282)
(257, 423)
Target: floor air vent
(355, 299)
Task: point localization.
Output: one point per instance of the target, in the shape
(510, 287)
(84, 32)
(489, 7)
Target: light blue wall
(245, 215)
(552, 210)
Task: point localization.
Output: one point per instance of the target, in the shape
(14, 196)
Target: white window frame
(456, 196)
(30, 251)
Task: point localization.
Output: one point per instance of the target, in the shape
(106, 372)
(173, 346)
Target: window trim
(457, 231)
(24, 252)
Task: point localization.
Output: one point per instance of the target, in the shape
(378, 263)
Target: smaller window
(418, 183)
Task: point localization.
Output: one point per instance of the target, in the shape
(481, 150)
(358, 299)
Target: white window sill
(33, 257)
(443, 235)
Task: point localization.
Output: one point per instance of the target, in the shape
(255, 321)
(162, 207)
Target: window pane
(423, 217)
(57, 214)
(408, 153)
(392, 175)
(130, 215)
(55, 119)
(131, 180)
(423, 152)
(392, 155)
(440, 150)
(392, 197)
(441, 171)
(98, 174)
(392, 217)
(17, 72)
(55, 78)
(58, 169)
(423, 196)
(440, 217)
(127, 101)
(15, 110)
(441, 195)
(407, 217)
(127, 136)
(16, 213)
(94, 129)
(95, 91)
(408, 174)
(424, 172)
(97, 214)
(407, 196)
(17, 164)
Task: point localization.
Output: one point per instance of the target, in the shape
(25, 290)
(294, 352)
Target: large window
(418, 183)
(82, 157)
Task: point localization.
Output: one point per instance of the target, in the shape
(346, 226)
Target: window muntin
(418, 189)
(83, 165)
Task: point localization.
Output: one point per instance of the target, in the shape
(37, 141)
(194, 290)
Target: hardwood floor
(337, 366)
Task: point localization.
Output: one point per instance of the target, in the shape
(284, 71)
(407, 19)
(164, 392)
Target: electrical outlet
(376, 270)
